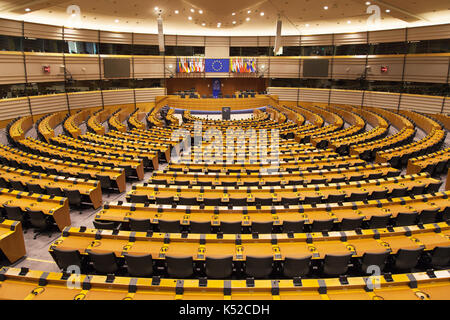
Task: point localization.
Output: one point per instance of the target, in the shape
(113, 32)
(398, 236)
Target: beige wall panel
(381, 99)
(446, 106)
(426, 69)
(199, 41)
(10, 27)
(85, 35)
(265, 41)
(12, 108)
(290, 41)
(11, 64)
(348, 68)
(427, 104)
(170, 40)
(284, 67)
(115, 37)
(149, 94)
(397, 35)
(317, 39)
(145, 39)
(395, 65)
(217, 52)
(42, 31)
(350, 38)
(351, 97)
(149, 67)
(243, 41)
(314, 95)
(217, 74)
(48, 103)
(81, 100)
(217, 41)
(428, 33)
(113, 97)
(35, 63)
(83, 67)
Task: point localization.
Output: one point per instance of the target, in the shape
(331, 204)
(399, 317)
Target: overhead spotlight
(156, 8)
(233, 14)
(307, 25)
(200, 11)
(192, 10)
(261, 14)
(116, 21)
(177, 12)
(247, 19)
(388, 10)
(249, 11)
(234, 22)
(219, 24)
(73, 14)
(190, 18)
(368, 3)
(27, 9)
(325, 8)
(203, 24)
(348, 21)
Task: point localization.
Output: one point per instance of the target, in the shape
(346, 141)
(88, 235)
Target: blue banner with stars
(217, 65)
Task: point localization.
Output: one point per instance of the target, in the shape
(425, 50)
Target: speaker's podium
(226, 111)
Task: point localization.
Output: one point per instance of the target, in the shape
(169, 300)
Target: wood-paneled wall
(203, 86)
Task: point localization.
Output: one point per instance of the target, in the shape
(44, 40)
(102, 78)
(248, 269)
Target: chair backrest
(219, 267)
(359, 196)
(296, 266)
(54, 191)
(258, 266)
(38, 219)
(262, 226)
(74, 196)
(312, 199)
(322, 225)
(336, 264)
(13, 212)
(179, 267)
(107, 225)
(200, 227)
(17, 185)
(104, 263)
(65, 258)
(351, 223)
(142, 225)
(231, 227)
(373, 259)
(105, 181)
(293, 226)
(405, 219)
(139, 198)
(139, 265)
(428, 215)
(170, 226)
(440, 256)
(406, 259)
(35, 188)
(376, 222)
(336, 198)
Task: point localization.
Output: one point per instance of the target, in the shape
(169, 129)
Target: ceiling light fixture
(192, 10)
(388, 10)
(156, 8)
(203, 24)
(176, 11)
(234, 22)
(307, 25)
(261, 14)
(249, 11)
(219, 24)
(247, 19)
(348, 21)
(27, 9)
(116, 21)
(233, 14)
(190, 18)
(200, 11)
(325, 8)
(368, 3)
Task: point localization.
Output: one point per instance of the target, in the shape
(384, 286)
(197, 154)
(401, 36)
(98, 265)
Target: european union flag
(217, 65)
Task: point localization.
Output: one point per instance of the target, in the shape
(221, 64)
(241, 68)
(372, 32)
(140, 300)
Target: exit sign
(46, 69)
(384, 69)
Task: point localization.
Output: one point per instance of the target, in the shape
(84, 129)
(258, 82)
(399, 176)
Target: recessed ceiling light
(156, 8)
(249, 11)
(200, 11)
(307, 25)
(388, 10)
(348, 21)
(233, 14)
(219, 24)
(325, 8)
(192, 10)
(247, 19)
(190, 18)
(203, 24)
(234, 22)
(262, 13)
(176, 11)
(73, 14)
(116, 21)
(368, 3)
(27, 9)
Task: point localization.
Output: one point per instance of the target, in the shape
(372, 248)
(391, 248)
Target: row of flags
(197, 64)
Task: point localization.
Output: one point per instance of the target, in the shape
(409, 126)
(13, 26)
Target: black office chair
(377, 222)
(17, 185)
(406, 259)
(4, 183)
(219, 267)
(373, 259)
(351, 223)
(41, 222)
(35, 188)
(104, 263)
(187, 201)
(263, 201)
(14, 213)
(312, 199)
(105, 225)
(139, 265)
(142, 225)
(179, 267)
(379, 194)
(398, 192)
(434, 187)
(296, 266)
(258, 266)
(231, 227)
(322, 225)
(169, 226)
(289, 200)
(54, 191)
(200, 227)
(440, 257)
(293, 226)
(164, 200)
(405, 219)
(105, 182)
(262, 226)
(65, 258)
(417, 189)
(428, 215)
(85, 176)
(359, 196)
(139, 198)
(336, 198)
(336, 264)
(74, 197)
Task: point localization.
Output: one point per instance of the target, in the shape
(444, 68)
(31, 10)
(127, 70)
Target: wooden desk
(12, 243)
